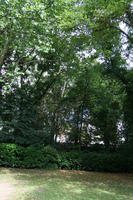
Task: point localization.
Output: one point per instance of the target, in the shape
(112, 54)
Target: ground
(16, 184)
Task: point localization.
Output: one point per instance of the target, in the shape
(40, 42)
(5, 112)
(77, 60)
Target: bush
(12, 155)
(107, 162)
(51, 158)
(32, 158)
(93, 161)
(70, 160)
(8, 155)
(47, 157)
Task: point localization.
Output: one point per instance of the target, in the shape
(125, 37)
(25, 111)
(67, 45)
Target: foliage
(71, 160)
(93, 161)
(31, 157)
(65, 70)
(51, 158)
(8, 155)
(47, 157)
(107, 162)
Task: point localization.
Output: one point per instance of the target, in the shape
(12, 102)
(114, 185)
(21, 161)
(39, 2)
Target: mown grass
(18, 184)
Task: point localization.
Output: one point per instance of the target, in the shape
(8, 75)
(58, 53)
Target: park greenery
(66, 70)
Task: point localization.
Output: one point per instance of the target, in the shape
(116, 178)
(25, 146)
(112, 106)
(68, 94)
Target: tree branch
(3, 53)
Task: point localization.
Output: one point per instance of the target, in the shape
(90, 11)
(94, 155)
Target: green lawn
(18, 184)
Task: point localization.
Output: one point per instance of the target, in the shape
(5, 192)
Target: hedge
(12, 155)
(47, 157)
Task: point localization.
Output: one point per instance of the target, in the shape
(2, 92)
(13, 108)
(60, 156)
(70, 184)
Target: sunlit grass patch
(16, 184)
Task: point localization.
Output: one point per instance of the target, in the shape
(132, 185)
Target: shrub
(33, 158)
(12, 155)
(47, 157)
(111, 162)
(51, 158)
(8, 154)
(93, 161)
(70, 160)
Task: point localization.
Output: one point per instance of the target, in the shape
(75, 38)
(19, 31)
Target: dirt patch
(6, 191)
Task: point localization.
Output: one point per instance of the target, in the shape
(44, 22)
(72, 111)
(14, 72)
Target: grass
(16, 184)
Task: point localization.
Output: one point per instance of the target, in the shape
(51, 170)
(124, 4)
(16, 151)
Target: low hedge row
(47, 157)
(93, 161)
(12, 155)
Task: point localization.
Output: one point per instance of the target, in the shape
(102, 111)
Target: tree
(63, 69)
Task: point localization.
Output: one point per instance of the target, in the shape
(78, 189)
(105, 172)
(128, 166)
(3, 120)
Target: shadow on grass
(24, 184)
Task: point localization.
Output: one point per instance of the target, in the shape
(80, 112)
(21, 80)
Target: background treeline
(66, 69)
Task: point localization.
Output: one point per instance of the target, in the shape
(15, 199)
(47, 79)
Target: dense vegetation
(47, 157)
(66, 69)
